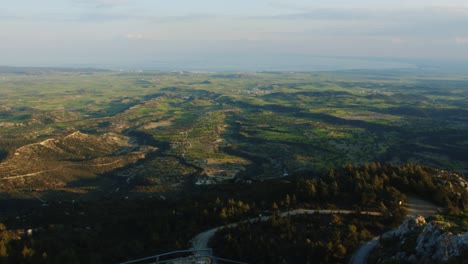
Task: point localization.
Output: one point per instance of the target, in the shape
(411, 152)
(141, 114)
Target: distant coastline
(259, 63)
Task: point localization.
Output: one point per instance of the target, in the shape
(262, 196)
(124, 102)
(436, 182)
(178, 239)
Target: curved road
(201, 240)
(415, 206)
(361, 255)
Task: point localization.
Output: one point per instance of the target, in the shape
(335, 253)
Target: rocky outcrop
(410, 225)
(417, 241)
(437, 244)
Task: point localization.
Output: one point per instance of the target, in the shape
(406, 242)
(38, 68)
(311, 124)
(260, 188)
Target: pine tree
(223, 214)
(3, 249)
(287, 201)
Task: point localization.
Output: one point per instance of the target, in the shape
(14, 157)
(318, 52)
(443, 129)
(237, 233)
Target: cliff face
(417, 241)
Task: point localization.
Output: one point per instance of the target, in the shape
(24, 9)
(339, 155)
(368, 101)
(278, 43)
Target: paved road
(360, 256)
(201, 240)
(416, 206)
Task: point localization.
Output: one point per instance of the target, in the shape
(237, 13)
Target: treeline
(297, 239)
(114, 229)
(333, 238)
(384, 186)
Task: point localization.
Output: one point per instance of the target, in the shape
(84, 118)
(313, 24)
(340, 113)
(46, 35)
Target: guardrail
(200, 254)
(216, 261)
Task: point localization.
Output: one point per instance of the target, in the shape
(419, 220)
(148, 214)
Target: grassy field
(214, 127)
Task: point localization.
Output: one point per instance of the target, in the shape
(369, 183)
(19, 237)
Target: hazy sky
(57, 32)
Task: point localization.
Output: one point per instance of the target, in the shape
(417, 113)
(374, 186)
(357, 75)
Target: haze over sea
(269, 62)
(265, 63)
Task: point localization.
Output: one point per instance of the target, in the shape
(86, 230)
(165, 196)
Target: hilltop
(61, 163)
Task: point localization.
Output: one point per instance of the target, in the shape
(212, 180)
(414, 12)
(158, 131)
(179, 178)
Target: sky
(119, 32)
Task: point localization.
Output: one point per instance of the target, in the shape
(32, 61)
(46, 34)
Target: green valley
(87, 151)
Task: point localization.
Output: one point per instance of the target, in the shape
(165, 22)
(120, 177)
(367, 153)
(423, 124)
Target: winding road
(201, 240)
(415, 206)
(361, 255)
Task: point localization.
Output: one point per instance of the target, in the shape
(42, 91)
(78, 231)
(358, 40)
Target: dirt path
(57, 168)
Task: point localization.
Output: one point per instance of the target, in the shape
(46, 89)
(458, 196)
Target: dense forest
(333, 238)
(317, 238)
(112, 230)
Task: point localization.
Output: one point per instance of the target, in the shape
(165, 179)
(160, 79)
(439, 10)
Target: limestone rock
(433, 243)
